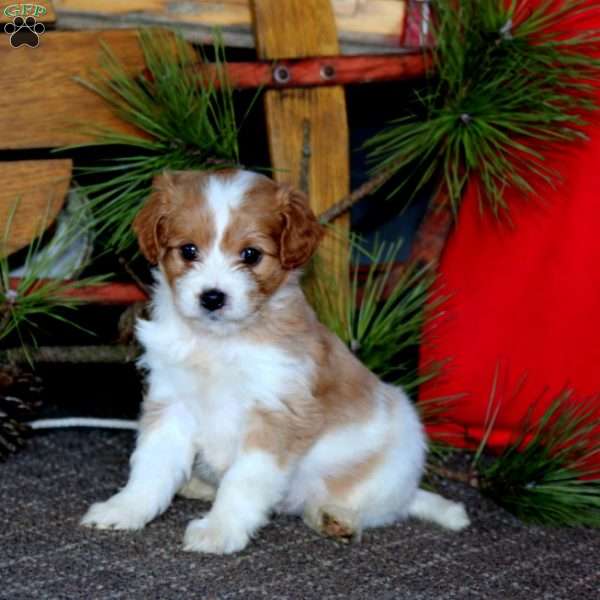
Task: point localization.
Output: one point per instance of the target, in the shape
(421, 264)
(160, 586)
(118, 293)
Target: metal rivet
(281, 74)
(327, 72)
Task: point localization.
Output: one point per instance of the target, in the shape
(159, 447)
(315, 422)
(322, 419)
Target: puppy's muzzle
(212, 300)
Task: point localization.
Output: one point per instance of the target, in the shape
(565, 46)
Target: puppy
(252, 403)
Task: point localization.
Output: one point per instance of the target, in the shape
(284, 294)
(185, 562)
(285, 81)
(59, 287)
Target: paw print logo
(24, 32)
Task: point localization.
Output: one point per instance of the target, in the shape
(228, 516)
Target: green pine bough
(507, 83)
(381, 317)
(34, 294)
(549, 474)
(188, 121)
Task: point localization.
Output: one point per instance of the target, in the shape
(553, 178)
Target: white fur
(160, 465)
(247, 493)
(205, 378)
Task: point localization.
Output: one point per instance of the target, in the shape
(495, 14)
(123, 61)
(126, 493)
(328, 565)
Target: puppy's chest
(222, 383)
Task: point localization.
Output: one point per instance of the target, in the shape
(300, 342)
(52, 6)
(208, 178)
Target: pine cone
(19, 402)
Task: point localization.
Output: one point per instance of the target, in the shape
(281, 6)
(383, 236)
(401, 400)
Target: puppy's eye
(189, 252)
(250, 256)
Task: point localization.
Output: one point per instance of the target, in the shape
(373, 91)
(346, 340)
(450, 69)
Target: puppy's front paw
(118, 512)
(207, 535)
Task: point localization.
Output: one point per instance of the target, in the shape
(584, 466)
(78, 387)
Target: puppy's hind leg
(331, 508)
(337, 522)
(433, 507)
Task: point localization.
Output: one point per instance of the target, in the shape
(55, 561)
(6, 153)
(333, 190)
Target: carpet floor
(46, 488)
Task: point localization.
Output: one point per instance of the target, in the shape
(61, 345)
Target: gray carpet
(44, 554)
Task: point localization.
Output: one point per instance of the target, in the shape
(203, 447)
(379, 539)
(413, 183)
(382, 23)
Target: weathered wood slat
(41, 105)
(363, 25)
(307, 128)
(32, 194)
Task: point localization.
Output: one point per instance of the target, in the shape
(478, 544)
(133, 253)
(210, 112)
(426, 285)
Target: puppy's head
(225, 241)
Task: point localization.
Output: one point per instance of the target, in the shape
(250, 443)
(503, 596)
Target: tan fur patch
(284, 435)
(301, 232)
(341, 485)
(258, 223)
(341, 389)
(192, 223)
(176, 214)
(185, 219)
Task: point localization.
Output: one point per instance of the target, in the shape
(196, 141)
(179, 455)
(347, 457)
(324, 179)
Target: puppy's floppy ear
(148, 220)
(301, 232)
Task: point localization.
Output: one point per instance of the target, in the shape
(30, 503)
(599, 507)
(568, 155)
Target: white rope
(83, 422)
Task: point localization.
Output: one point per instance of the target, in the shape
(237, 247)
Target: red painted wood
(106, 293)
(319, 71)
(333, 70)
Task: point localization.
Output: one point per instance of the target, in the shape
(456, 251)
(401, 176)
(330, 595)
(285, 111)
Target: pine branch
(549, 473)
(188, 122)
(134, 276)
(381, 318)
(344, 204)
(507, 87)
(34, 295)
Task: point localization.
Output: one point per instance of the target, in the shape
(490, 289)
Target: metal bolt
(281, 74)
(327, 72)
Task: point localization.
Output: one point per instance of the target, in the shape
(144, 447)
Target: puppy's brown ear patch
(301, 231)
(147, 222)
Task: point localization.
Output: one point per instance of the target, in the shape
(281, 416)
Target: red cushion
(524, 299)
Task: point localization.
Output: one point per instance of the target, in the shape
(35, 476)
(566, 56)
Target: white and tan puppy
(252, 403)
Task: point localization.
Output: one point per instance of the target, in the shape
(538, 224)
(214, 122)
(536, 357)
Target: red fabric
(523, 300)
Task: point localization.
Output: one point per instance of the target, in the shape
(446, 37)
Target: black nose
(212, 299)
